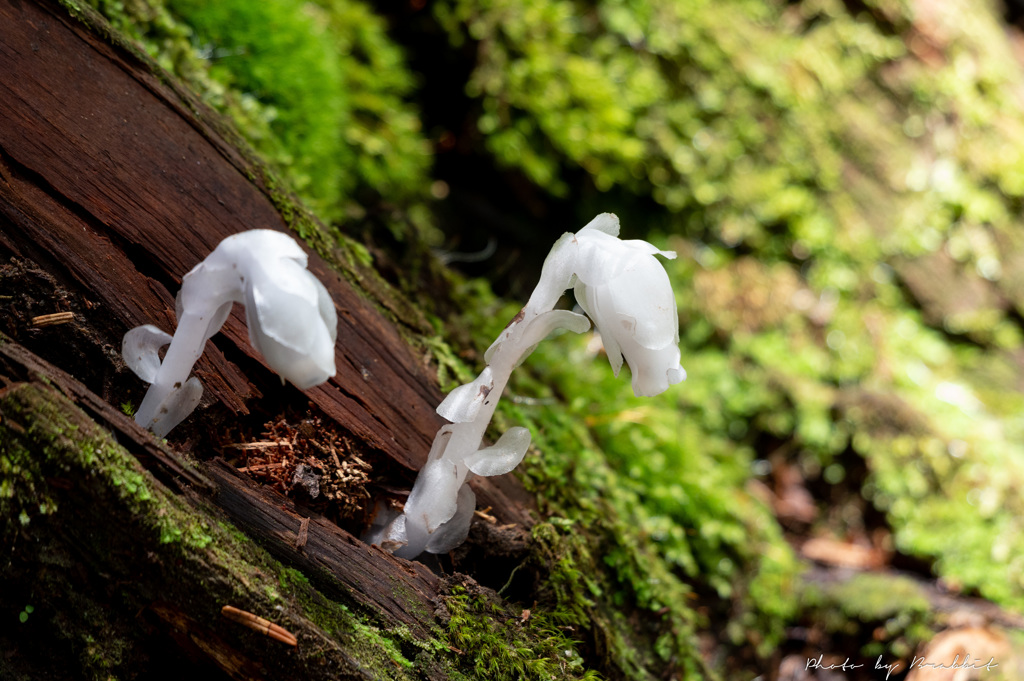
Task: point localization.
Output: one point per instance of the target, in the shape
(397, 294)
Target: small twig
(265, 627)
(511, 576)
(260, 445)
(51, 319)
(261, 466)
(484, 515)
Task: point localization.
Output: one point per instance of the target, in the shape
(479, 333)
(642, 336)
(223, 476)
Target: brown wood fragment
(843, 554)
(261, 467)
(51, 319)
(265, 627)
(483, 514)
(300, 539)
(246, 446)
(198, 641)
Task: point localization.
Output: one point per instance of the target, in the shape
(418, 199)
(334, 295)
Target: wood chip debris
(51, 319)
(843, 554)
(310, 460)
(246, 446)
(484, 515)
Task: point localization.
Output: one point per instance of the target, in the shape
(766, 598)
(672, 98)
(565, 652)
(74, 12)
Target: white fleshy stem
(440, 507)
(156, 410)
(627, 294)
(290, 315)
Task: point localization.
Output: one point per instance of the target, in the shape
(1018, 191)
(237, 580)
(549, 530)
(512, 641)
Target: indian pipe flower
(626, 292)
(290, 316)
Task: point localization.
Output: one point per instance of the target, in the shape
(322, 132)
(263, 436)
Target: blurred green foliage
(843, 183)
(282, 56)
(316, 87)
(895, 608)
(868, 166)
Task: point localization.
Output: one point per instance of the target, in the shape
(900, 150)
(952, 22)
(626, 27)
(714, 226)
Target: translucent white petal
(604, 316)
(217, 319)
(605, 222)
(395, 535)
(432, 501)
(287, 325)
(654, 370)
(544, 324)
(260, 245)
(580, 291)
(676, 375)
(503, 455)
(506, 333)
(555, 276)
(328, 314)
(286, 305)
(603, 257)
(140, 349)
(463, 404)
(209, 286)
(644, 293)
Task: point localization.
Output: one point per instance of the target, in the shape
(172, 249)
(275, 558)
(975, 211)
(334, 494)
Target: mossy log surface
(89, 530)
(114, 183)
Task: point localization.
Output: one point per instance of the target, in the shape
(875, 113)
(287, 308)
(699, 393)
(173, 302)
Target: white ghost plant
(290, 316)
(625, 291)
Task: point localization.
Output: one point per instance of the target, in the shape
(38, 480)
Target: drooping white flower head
(290, 316)
(627, 293)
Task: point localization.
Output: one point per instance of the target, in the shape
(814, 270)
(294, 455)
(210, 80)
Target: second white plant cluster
(625, 291)
(289, 313)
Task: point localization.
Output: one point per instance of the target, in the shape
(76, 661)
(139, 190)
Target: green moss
(44, 438)
(52, 435)
(499, 642)
(375, 647)
(323, 96)
(292, 70)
